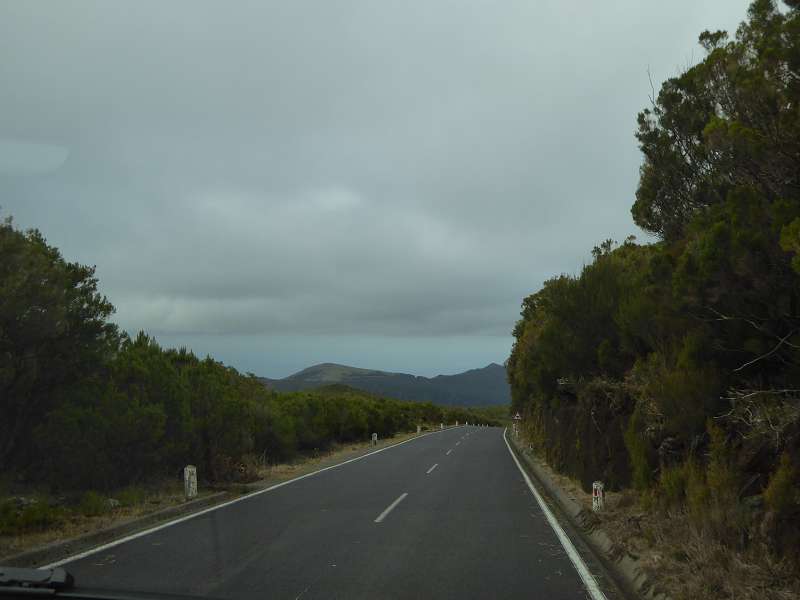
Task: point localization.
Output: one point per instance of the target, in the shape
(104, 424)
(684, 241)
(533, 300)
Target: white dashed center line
(391, 507)
(432, 468)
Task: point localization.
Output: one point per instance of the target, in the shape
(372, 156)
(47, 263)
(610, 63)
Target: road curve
(446, 515)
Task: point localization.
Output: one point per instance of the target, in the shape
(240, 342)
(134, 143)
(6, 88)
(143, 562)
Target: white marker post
(374, 439)
(598, 496)
(456, 423)
(441, 425)
(190, 481)
(517, 419)
(419, 429)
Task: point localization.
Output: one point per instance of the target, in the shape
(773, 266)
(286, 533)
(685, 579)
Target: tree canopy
(688, 349)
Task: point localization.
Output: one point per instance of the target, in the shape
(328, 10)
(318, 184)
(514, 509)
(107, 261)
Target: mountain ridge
(482, 386)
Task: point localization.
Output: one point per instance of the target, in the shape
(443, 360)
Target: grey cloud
(325, 172)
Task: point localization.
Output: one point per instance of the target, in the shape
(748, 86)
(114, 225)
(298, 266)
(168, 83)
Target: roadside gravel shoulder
(627, 571)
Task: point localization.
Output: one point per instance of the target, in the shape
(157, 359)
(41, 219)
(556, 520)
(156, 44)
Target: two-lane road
(445, 515)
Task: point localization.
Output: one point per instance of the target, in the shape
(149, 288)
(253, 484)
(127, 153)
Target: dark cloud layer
(279, 183)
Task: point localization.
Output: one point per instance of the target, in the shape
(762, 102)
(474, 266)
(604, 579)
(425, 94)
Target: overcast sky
(366, 182)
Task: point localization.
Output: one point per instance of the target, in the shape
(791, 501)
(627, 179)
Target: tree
(730, 121)
(54, 332)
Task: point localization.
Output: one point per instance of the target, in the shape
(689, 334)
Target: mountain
(476, 387)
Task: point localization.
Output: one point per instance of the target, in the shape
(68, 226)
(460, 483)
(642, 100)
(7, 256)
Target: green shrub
(781, 493)
(8, 517)
(33, 517)
(93, 504)
(641, 471)
(697, 494)
(39, 516)
(685, 397)
(723, 477)
(672, 484)
(131, 496)
(712, 493)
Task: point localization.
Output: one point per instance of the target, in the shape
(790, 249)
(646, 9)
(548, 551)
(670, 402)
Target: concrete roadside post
(374, 439)
(456, 423)
(441, 425)
(419, 429)
(598, 496)
(190, 481)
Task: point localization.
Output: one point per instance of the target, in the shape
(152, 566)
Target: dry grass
(337, 453)
(681, 562)
(74, 524)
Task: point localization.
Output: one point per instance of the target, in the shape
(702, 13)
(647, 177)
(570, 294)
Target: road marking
(391, 507)
(448, 452)
(580, 566)
(432, 468)
(457, 443)
(128, 538)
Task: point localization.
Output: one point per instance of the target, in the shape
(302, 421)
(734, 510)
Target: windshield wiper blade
(58, 584)
(34, 582)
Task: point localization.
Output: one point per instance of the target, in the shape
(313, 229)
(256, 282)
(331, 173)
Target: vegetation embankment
(85, 410)
(672, 370)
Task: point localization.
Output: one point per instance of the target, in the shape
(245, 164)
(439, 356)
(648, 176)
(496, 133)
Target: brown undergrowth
(683, 559)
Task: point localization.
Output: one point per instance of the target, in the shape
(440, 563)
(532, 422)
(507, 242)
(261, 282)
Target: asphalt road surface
(444, 515)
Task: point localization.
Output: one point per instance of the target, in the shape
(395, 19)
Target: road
(444, 515)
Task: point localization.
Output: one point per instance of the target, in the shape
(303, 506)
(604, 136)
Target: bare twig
(742, 394)
(723, 317)
(770, 353)
(652, 88)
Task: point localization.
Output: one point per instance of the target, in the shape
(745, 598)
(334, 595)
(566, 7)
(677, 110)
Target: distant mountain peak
(480, 386)
(331, 373)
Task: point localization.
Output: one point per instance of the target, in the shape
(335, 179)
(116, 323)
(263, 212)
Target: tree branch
(770, 353)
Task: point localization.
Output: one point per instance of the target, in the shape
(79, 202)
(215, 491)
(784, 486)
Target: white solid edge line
(391, 507)
(432, 468)
(145, 532)
(580, 566)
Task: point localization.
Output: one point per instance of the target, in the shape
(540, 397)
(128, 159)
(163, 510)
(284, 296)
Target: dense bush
(156, 410)
(674, 367)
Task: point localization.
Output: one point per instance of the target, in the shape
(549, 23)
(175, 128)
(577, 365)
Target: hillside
(476, 387)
